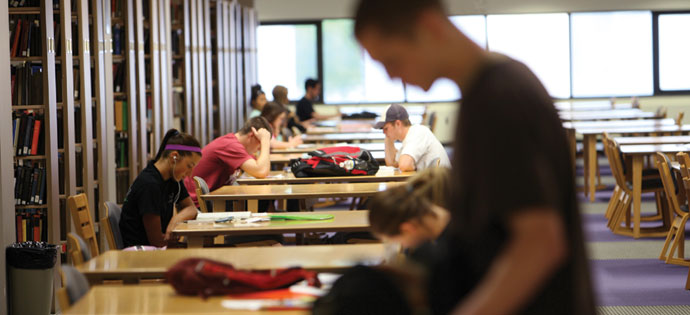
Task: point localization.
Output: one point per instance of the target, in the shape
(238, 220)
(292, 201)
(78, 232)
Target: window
(540, 41)
(474, 26)
(612, 53)
(350, 75)
(287, 55)
(674, 52)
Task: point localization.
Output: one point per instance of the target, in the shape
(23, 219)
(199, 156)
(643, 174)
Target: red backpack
(335, 161)
(205, 277)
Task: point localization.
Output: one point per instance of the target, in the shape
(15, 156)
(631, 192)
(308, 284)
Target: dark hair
(407, 202)
(258, 123)
(175, 137)
(366, 290)
(256, 91)
(272, 110)
(280, 95)
(392, 17)
(310, 83)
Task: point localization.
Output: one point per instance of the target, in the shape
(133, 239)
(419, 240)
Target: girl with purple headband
(147, 213)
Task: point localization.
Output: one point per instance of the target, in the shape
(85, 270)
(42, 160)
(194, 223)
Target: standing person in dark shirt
(305, 106)
(514, 243)
(147, 213)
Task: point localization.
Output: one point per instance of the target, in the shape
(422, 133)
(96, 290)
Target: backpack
(335, 161)
(205, 277)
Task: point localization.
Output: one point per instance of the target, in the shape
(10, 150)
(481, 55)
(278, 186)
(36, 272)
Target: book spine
(35, 136)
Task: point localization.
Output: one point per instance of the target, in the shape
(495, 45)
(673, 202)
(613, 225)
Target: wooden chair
(615, 199)
(77, 249)
(202, 189)
(676, 234)
(111, 225)
(74, 287)
(679, 119)
(621, 211)
(81, 216)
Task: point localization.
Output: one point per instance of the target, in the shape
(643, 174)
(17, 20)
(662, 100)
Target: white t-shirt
(421, 144)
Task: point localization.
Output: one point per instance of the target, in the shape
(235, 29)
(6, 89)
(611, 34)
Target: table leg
(253, 206)
(195, 241)
(218, 205)
(590, 143)
(637, 193)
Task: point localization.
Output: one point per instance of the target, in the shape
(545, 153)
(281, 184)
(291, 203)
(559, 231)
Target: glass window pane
(674, 52)
(286, 56)
(350, 75)
(612, 53)
(474, 26)
(540, 41)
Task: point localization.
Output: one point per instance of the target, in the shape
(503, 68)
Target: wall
(281, 10)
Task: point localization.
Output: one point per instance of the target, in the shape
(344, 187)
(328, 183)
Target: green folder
(310, 216)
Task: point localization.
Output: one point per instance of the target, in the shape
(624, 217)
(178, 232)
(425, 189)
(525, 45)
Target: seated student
(420, 148)
(280, 96)
(257, 101)
(147, 213)
(305, 106)
(276, 114)
(226, 155)
(414, 213)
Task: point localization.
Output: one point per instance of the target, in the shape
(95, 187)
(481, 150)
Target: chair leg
(661, 206)
(664, 250)
(676, 255)
(613, 202)
(622, 212)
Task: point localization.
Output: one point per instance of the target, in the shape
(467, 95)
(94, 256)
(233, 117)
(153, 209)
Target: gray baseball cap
(393, 112)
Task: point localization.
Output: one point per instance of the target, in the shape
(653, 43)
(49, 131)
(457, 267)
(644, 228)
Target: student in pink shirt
(226, 155)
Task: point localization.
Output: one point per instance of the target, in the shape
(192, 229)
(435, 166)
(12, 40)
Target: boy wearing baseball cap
(420, 148)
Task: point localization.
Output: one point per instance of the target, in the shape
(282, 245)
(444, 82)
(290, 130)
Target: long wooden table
(281, 177)
(345, 137)
(590, 105)
(132, 266)
(591, 130)
(145, 299)
(637, 154)
(607, 115)
(198, 234)
(653, 140)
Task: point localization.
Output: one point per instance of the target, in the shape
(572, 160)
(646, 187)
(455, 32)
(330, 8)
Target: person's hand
(295, 141)
(262, 134)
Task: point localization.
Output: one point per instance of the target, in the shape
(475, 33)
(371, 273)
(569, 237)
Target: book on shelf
(29, 184)
(27, 133)
(31, 225)
(27, 83)
(117, 39)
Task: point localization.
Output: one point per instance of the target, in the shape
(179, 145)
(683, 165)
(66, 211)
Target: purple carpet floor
(639, 282)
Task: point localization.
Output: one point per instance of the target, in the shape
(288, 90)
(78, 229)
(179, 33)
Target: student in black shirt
(305, 106)
(147, 213)
(514, 243)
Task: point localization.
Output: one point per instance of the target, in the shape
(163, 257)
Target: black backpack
(335, 161)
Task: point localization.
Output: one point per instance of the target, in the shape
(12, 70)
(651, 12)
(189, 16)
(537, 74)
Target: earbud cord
(172, 174)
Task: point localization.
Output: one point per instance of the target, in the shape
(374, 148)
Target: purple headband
(180, 147)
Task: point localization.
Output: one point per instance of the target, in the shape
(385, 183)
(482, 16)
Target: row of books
(121, 116)
(121, 150)
(119, 70)
(122, 183)
(77, 126)
(32, 225)
(118, 43)
(28, 133)
(26, 83)
(29, 184)
(25, 36)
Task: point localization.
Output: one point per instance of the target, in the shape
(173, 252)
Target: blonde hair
(280, 95)
(412, 201)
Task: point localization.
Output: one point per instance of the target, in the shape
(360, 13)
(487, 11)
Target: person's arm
(536, 248)
(390, 152)
(406, 163)
(187, 212)
(152, 225)
(260, 167)
(317, 116)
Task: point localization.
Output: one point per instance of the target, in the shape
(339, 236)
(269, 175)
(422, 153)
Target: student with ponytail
(147, 213)
(414, 213)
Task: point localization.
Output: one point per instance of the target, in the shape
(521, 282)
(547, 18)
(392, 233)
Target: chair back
(612, 152)
(81, 216)
(679, 119)
(74, 287)
(111, 225)
(664, 166)
(77, 249)
(202, 189)
(684, 160)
